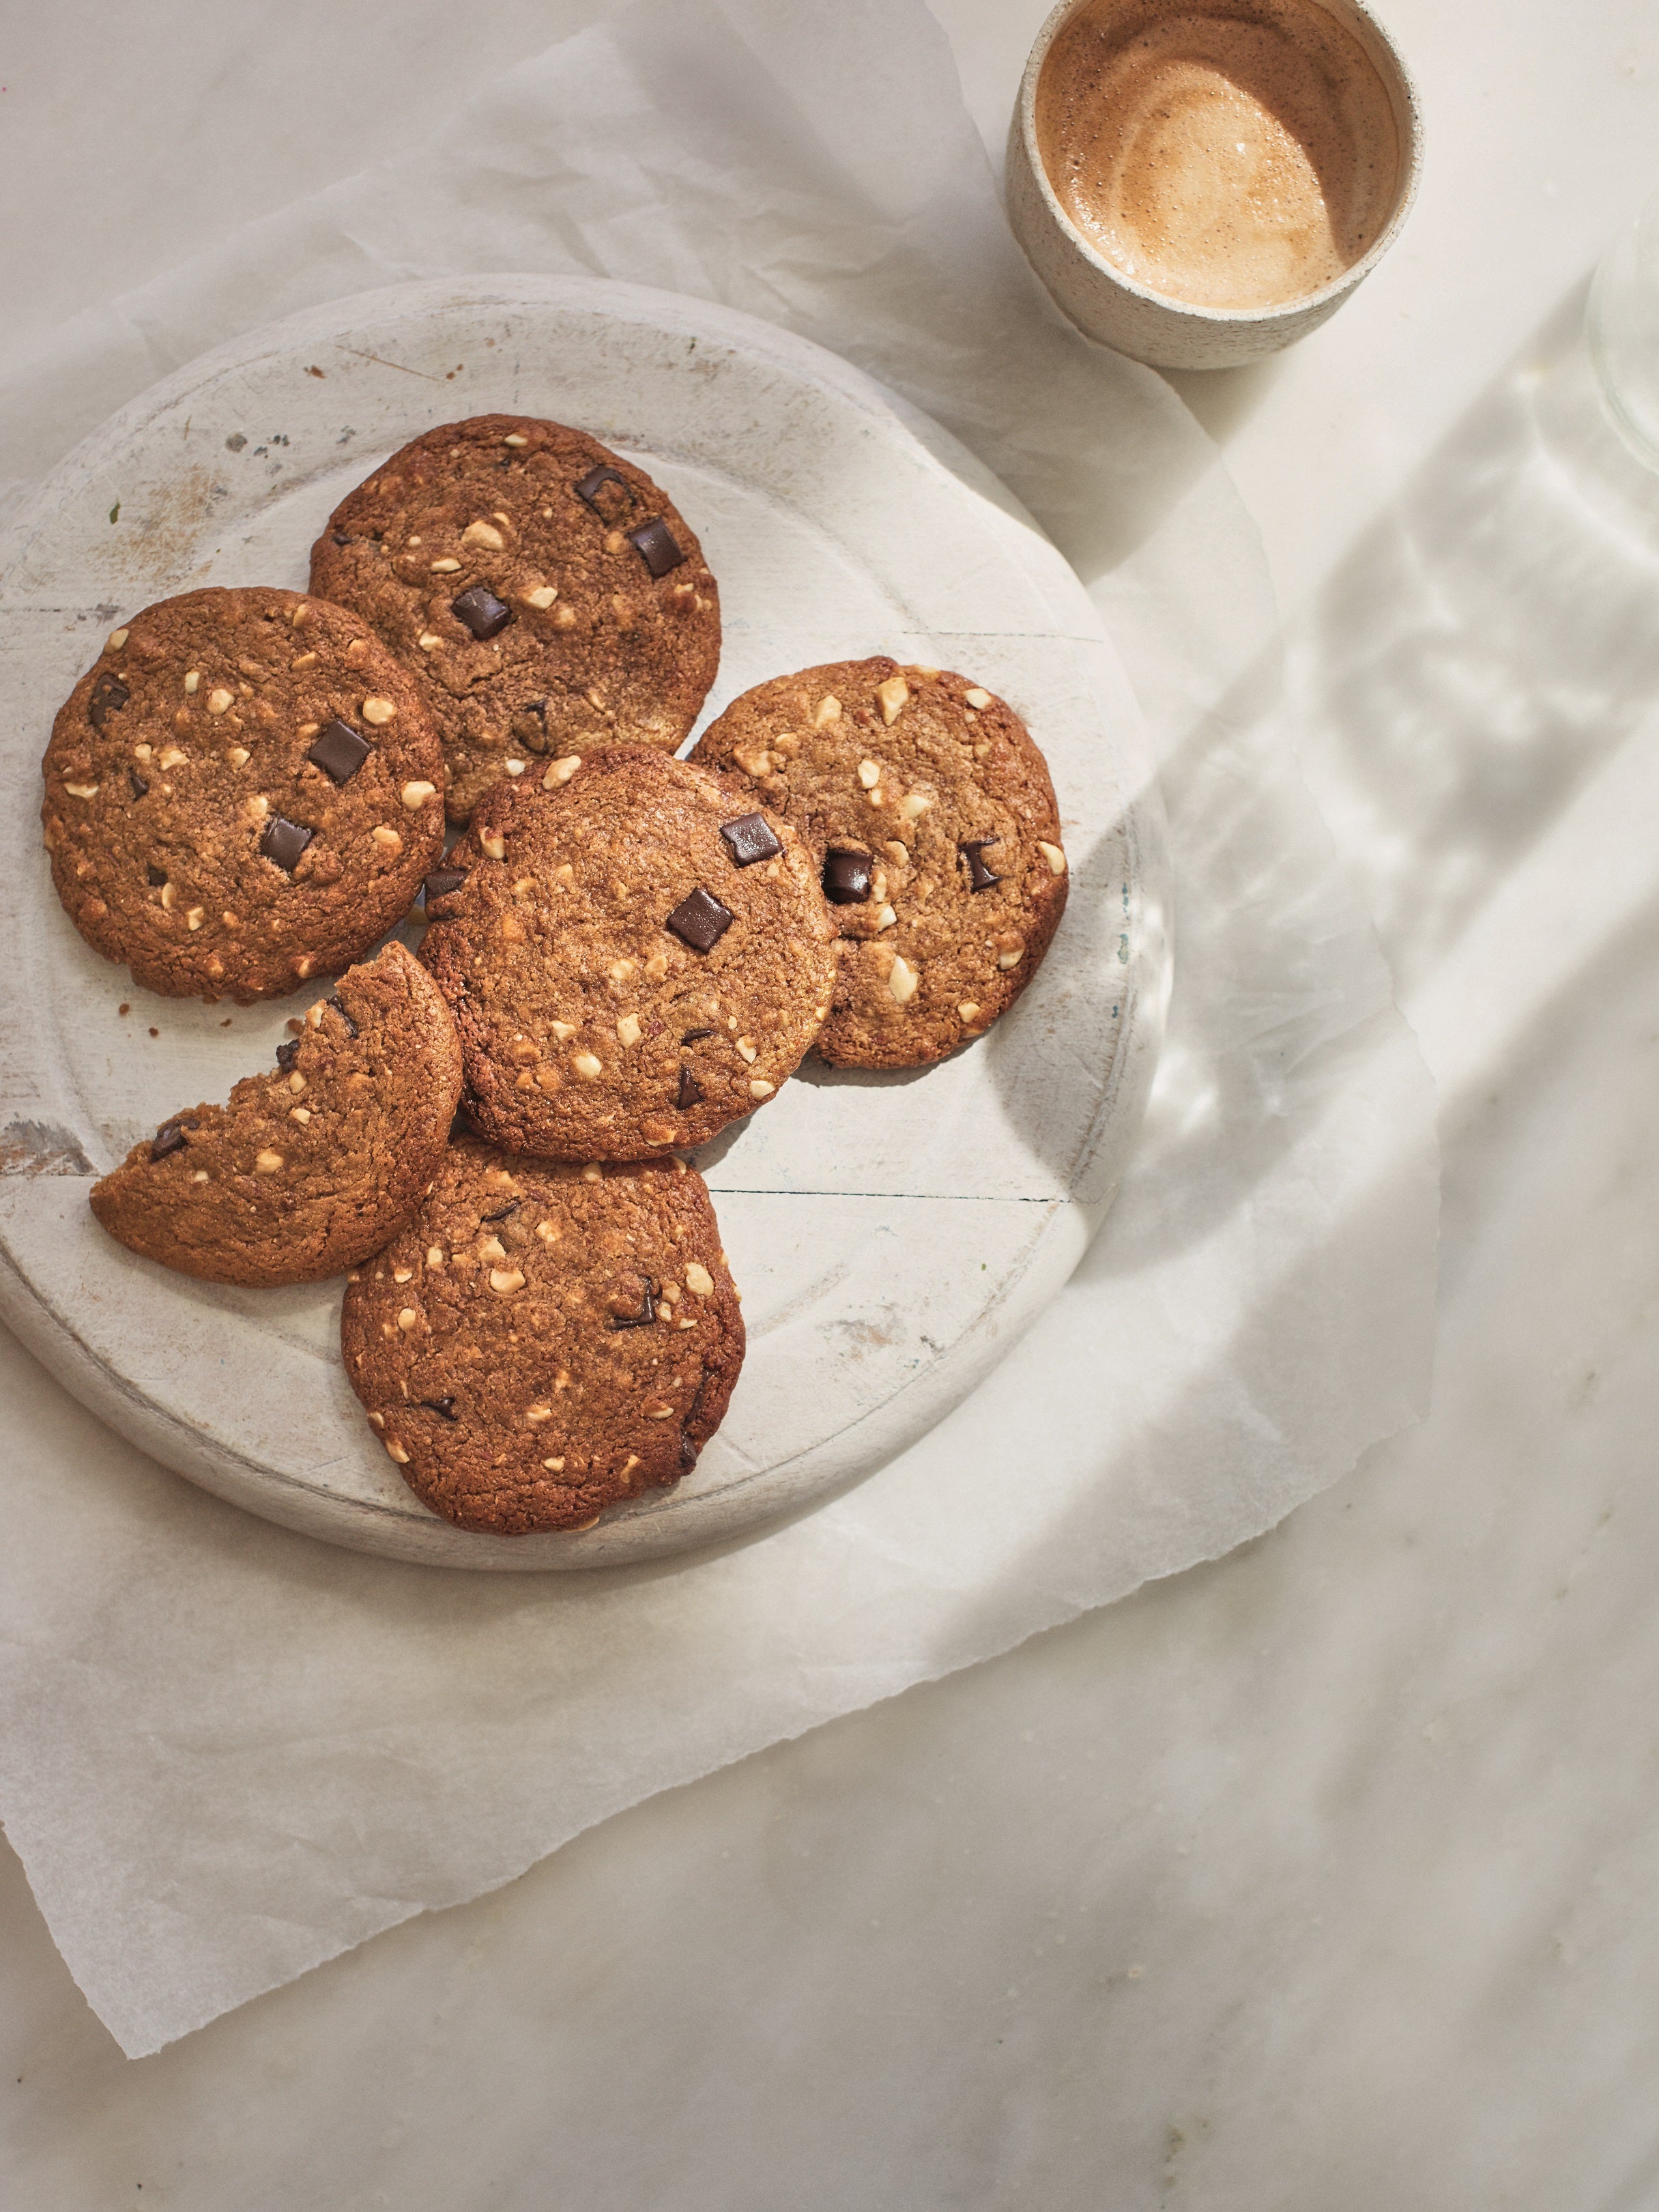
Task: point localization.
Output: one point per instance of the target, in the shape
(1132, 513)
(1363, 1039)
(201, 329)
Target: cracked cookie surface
(544, 592)
(244, 793)
(930, 809)
(546, 1339)
(312, 1166)
(634, 957)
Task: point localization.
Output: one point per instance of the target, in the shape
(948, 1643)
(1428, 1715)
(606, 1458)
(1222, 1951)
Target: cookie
(930, 813)
(546, 595)
(311, 1167)
(244, 793)
(633, 956)
(545, 1340)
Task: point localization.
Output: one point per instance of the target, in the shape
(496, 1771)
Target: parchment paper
(231, 1753)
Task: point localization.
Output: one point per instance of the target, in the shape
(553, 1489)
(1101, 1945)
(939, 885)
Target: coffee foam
(1232, 154)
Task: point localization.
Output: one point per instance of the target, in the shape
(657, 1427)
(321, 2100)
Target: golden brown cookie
(311, 1168)
(545, 1340)
(930, 811)
(545, 594)
(244, 793)
(633, 956)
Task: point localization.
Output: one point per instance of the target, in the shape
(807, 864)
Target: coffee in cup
(1240, 161)
(1233, 153)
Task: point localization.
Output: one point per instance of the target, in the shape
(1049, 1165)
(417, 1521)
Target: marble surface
(1317, 1876)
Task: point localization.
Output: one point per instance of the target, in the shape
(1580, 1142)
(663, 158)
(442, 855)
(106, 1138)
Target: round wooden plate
(892, 1234)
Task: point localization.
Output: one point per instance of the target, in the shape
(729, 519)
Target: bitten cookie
(545, 1340)
(633, 956)
(244, 793)
(930, 813)
(311, 1168)
(546, 595)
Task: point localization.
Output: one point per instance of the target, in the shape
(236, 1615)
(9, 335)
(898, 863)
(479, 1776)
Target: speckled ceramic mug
(1109, 304)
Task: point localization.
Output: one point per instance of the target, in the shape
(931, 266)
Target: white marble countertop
(1315, 1877)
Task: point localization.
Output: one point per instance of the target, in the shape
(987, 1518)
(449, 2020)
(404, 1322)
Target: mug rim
(1055, 21)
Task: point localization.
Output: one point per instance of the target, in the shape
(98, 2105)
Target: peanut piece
(891, 696)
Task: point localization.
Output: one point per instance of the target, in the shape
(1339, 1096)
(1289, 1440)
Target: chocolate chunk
(700, 921)
(648, 1311)
(169, 1138)
(109, 695)
(750, 839)
(340, 537)
(692, 1036)
(339, 752)
(502, 1212)
(333, 1000)
(444, 1407)
(846, 876)
(980, 878)
(287, 1055)
(691, 1090)
(139, 786)
(595, 481)
(654, 544)
(687, 1453)
(157, 876)
(482, 611)
(285, 841)
(440, 884)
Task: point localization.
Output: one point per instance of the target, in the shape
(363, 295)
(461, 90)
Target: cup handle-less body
(1106, 304)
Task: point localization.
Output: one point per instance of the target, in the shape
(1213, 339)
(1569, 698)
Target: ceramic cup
(1151, 326)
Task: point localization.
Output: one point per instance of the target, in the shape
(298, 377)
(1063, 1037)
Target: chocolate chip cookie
(930, 811)
(633, 956)
(546, 595)
(545, 1340)
(244, 793)
(311, 1168)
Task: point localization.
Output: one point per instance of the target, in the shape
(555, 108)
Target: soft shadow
(823, 1077)
(1487, 645)
(1221, 398)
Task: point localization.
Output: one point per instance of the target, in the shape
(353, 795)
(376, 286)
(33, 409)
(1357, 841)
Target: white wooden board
(892, 1235)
